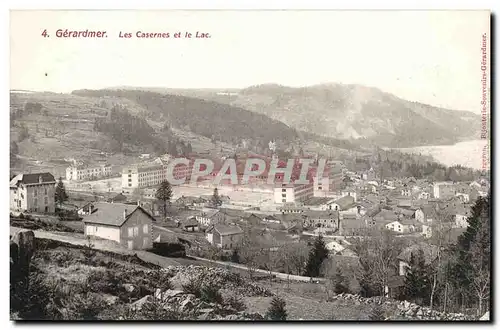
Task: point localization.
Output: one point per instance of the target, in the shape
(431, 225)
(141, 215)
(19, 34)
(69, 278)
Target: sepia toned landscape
(389, 222)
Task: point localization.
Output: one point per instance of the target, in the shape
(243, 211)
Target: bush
(194, 286)
(277, 311)
(63, 258)
(211, 294)
(89, 252)
(377, 313)
(235, 303)
(158, 279)
(235, 257)
(104, 282)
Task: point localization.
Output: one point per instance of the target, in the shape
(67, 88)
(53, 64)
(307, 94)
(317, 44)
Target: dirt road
(103, 245)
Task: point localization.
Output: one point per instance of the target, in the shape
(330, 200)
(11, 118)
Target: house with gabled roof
(208, 216)
(344, 205)
(224, 236)
(426, 213)
(128, 225)
(33, 192)
(329, 219)
(401, 226)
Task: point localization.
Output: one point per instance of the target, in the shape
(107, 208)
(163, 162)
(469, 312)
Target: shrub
(194, 286)
(85, 306)
(89, 252)
(377, 313)
(104, 282)
(158, 279)
(235, 303)
(63, 258)
(211, 294)
(277, 311)
(235, 257)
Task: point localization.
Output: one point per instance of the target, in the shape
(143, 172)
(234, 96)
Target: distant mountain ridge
(364, 114)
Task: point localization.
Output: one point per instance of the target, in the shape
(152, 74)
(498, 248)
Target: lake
(468, 153)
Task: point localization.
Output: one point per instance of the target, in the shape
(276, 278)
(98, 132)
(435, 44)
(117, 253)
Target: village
(221, 222)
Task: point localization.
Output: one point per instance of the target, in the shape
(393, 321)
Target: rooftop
(112, 214)
(345, 202)
(317, 201)
(227, 229)
(32, 178)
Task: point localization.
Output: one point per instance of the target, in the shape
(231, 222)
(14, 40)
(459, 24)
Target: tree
(277, 310)
(164, 194)
(138, 194)
(480, 264)
(340, 285)
(377, 313)
(378, 254)
(249, 252)
(471, 265)
(60, 194)
(23, 133)
(235, 257)
(316, 257)
(417, 280)
(216, 200)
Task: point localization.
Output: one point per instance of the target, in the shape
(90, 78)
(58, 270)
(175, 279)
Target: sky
(429, 57)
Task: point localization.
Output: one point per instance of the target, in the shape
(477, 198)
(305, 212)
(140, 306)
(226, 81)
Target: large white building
(444, 190)
(138, 176)
(292, 193)
(81, 173)
(33, 193)
(330, 184)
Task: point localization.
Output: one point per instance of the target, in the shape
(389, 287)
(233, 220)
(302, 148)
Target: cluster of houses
(406, 207)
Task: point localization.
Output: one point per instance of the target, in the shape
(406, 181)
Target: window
(46, 200)
(145, 241)
(45, 191)
(35, 192)
(283, 190)
(136, 231)
(283, 200)
(145, 229)
(283, 195)
(319, 188)
(130, 232)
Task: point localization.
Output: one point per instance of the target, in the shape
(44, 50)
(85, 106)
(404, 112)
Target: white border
(190, 4)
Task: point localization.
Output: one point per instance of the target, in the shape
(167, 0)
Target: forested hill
(210, 119)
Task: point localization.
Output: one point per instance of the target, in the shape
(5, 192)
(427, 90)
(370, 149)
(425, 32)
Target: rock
(206, 310)
(138, 304)
(420, 312)
(186, 304)
(22, 247)
(232, 317)
(111, 300)
(406, 304)
(206, 314)
(167, 294)
(128, 287)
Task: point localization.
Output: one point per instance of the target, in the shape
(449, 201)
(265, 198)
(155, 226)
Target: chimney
(125, 214)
